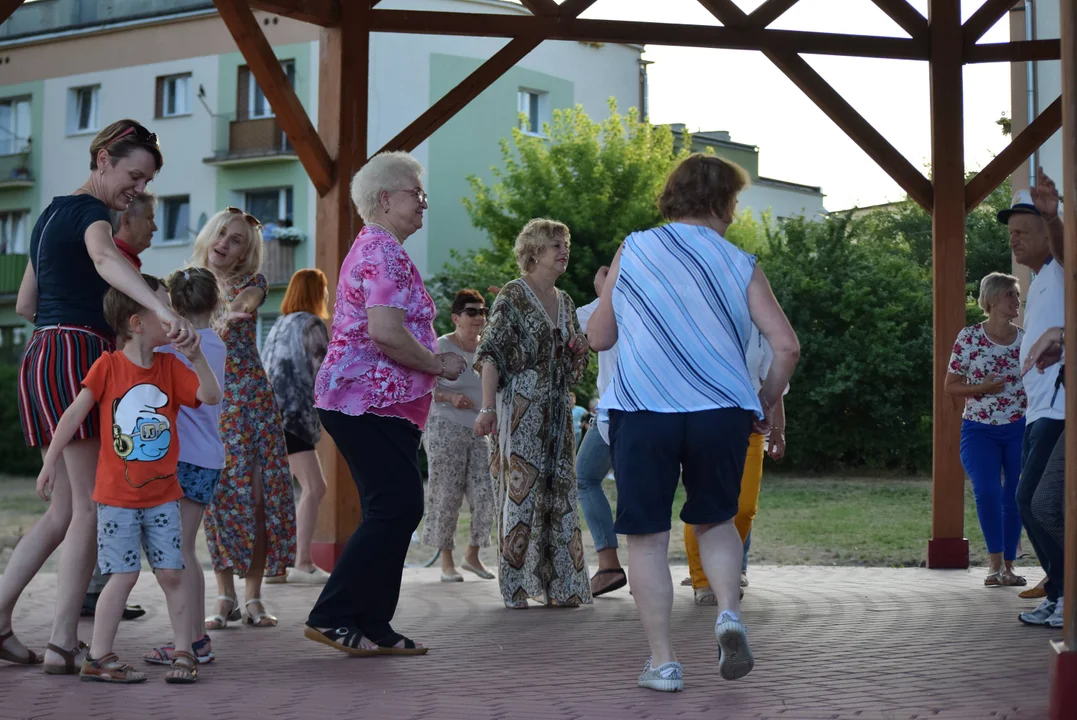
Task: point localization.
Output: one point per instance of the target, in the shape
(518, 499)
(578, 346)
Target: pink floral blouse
(356, 377)
(976, 356)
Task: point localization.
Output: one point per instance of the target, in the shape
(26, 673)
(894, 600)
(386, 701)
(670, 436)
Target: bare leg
(308, 469)
(79, 553)
(35, 547)
(194, 581)
(994, 562)
(256, 571)
(722, 552)
(110, 607)
(652, 589)
(226, 587)
(179, 607)
(448, 564)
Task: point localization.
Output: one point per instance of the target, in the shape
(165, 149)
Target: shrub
(16, 458)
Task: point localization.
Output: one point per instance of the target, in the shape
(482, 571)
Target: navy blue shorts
(199, 484)
(653, 451)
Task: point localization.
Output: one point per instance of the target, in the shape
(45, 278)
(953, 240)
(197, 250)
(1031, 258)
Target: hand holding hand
(452, 365)
(181, 332)
(776, 444)
(579, 344)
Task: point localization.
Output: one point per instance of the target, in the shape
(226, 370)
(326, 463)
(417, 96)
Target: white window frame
(16, 224)
(282, 202)
(162, 229)
(73, 114)
(20, 112)
(182, 95)
(253, 91)
(523, 106)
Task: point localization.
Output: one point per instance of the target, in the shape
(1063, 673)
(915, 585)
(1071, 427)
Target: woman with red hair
(292, 354)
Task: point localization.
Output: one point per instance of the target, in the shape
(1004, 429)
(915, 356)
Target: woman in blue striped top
(680, 302)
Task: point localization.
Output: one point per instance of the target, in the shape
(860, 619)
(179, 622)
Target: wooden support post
(319, 12)
(948, 547)
(7, 7)
(342, 123)
(1063, 703)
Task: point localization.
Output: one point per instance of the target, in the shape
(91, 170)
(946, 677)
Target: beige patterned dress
(532, 459)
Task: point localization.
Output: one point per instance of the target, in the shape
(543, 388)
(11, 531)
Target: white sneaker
(735, 658)
(1040, 615)
(317, 576)
(1056, 620)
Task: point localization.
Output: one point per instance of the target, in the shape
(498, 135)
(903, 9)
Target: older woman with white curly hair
(373, 394)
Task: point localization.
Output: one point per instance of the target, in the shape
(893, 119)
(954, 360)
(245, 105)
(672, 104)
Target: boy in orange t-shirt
(139, 394)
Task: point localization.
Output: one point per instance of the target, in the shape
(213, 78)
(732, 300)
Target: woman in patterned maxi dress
(540, 548)
(250, 526)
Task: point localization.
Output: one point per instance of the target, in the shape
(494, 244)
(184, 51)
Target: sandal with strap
(69, 667)
(705, 596)
(345, 639)
(109, 669)
(1011, 579)
(184, 669)
(615, 585)
(262, 619)
(220, 622)
(31, 658)
(993, 580)
(387, 646)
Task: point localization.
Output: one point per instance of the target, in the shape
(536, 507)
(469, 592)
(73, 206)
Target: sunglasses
(251, 220)
(139, 132)
(473, 312)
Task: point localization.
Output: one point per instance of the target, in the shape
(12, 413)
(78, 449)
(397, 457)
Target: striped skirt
(50, 377)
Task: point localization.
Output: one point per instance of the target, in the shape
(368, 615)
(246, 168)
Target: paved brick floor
(836, 643)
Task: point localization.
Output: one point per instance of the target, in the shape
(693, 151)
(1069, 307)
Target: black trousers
(364, 588)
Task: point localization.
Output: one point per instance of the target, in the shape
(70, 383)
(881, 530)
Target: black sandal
(387, 646)
(344, 639)
(616, 585)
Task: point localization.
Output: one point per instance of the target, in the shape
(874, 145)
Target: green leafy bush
(15, 457)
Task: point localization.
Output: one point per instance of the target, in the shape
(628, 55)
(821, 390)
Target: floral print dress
(253, 437)
(540, 552)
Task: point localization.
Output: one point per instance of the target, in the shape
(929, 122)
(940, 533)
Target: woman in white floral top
(985, 370)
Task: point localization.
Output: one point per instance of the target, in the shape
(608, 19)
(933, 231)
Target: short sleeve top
(69, 290)
(356, 377)
(975, 356)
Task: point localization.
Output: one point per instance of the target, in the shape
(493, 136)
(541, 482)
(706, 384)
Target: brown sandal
(68, 668)
(109, 669)
(184, 669)
(1011, 579)
(32, 658)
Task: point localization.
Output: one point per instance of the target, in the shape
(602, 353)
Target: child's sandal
(184, 669)
(109, 669)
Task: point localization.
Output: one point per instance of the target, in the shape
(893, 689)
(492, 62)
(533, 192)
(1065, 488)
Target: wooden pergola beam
(617, 31)
(905, 15)
(540, 7)
(325, 13)
(269, 73)
(7, 7)
(1020, 149)
(984, 19)
(770, 11)
(1014, 51)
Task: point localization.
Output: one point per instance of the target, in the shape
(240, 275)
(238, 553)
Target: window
(535, 107)
(173, 95)
(252, 101)
(14, 232)
(265, 324)
(82, 109)
(175, 219)
(14, 126)
(269, 206)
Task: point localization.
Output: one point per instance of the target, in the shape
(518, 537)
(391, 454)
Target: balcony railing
(249, 140)
(278, 264)
(11, 269)
(15, 171)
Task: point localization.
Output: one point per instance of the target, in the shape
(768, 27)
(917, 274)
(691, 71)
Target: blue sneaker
(668, 677)
(1040, 615)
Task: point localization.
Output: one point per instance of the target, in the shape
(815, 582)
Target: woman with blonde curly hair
(250, 526)
(532, 350)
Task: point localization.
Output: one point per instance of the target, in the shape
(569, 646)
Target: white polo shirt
(1044, 309)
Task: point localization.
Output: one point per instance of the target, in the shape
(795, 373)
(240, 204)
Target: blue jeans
(989, 452)
(1040, 439)
(593, 464)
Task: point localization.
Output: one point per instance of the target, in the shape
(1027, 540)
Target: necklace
(385, 229)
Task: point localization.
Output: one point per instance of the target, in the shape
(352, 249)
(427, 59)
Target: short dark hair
(119, 307)
(122, 138)
(194, 291)
(701, 185)
(464, 298)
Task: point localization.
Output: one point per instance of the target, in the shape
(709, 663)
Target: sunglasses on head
(251, 220)
(139, 132)
(473, 312)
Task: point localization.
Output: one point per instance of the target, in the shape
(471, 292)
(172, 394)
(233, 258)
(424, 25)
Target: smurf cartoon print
(140, 434)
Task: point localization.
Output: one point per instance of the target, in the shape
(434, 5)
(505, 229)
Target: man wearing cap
(1044, 309)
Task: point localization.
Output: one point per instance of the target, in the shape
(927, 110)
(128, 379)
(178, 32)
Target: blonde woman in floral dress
(250, 527)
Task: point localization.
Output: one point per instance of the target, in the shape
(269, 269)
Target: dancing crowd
(156, 414)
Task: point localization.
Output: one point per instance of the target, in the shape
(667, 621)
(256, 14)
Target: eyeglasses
(139, 132)
(419, 194)
(473, 312)
(251, 220)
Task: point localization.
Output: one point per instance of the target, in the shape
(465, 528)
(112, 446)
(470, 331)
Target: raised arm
(602, 325)
(1046, 199)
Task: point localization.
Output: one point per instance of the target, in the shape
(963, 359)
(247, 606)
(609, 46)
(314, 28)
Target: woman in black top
(73, 262)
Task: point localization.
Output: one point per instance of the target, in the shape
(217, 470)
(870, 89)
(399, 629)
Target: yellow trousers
(747, 507)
